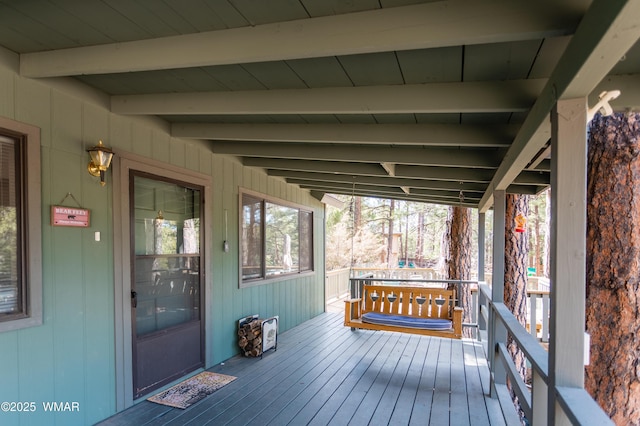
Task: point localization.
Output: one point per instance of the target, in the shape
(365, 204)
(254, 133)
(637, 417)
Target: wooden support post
(497, 330)
(568, 247)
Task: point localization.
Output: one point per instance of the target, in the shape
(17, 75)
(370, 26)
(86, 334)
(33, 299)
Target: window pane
(277, 239)
(167, 248)
(306, 241)
(251, 237)
(281, 234)
(10, 286)
(168, 289)
(167, 218)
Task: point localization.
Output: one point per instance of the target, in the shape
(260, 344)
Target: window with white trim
(276, 238)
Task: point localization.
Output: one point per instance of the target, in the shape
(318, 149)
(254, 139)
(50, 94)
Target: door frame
(122, 164)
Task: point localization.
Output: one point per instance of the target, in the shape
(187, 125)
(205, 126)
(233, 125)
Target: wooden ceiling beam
(405, 197)
(388, 134)
(532, 177)
(454, 174)
(459, 97)
(427, 25)
(427, 156)
(339, 167)
(437, 197)
(381, 181)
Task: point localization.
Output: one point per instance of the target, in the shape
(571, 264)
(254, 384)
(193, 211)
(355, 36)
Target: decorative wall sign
(69, 216)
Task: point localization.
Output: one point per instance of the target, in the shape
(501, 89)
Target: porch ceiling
(402, 99)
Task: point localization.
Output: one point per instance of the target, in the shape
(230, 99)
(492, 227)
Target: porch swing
(404, 308)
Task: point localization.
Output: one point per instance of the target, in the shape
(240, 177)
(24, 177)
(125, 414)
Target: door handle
(134, 299)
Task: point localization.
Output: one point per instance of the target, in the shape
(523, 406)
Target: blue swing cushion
(403, 321)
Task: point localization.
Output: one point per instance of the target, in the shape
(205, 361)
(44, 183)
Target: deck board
(422, 406)
(478, 415)
(353, 401)
(404, 405)
(323, 373)
(459, 413)
(305, 408)
(390, 396)
(440, 406)
(328, 410)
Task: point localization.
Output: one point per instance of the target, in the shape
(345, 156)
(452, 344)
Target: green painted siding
(71, 357)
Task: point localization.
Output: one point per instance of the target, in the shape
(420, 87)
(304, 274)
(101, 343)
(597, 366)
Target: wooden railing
(538, 314)
(336, 283)
(399, 273)
(495, 322)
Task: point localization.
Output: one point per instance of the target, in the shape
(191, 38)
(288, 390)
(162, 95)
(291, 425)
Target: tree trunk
(457, 248)
(406, 239)
(420, 240)
(357, 215)
(516, 253)
(390, 239)
(613, 270)
(547, 233)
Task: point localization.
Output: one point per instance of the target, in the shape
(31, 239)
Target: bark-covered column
(613, 266)
(458, 256)
(516, 249)
(515, 257)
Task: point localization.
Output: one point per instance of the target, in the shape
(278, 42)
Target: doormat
(192, 390)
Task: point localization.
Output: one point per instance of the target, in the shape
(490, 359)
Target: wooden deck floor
(325, 374)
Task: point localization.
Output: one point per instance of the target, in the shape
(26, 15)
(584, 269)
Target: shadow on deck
(325, 374)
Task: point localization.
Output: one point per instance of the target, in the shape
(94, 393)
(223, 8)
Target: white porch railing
(538, 314)
(336, 284)
(399, 273)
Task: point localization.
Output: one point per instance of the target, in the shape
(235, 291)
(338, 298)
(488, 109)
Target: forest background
(358, 234)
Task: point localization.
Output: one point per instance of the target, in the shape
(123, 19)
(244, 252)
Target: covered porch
(324, 373)
(446, 102)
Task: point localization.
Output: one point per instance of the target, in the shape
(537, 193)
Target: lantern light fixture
(100, 161)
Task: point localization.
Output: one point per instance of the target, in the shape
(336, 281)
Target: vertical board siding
(176, 151)
(162, 150)
(66, 130)
(71, 357)
(7, 92)
(95, 126)
(141, 141)
(192, 158)
(120, 130)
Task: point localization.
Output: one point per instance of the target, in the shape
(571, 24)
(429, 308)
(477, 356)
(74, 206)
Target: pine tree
(613, 267)
(457, 249)
(516, 253)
